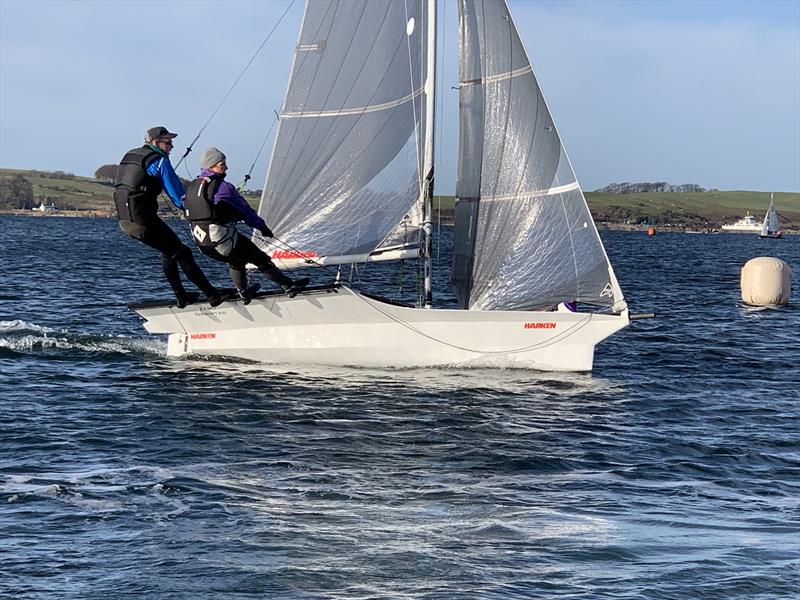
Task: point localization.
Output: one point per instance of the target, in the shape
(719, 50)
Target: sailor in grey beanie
(210, 157)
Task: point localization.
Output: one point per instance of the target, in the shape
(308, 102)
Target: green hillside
(65, 190)
(693, 210)
(664, 209)
(68, 192)
(699, 210)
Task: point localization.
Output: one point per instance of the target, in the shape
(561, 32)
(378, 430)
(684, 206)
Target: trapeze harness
(213, 225)
(136, 192)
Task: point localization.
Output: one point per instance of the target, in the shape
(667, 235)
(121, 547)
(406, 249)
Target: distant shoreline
(69, 195)
(91, 213)
(445, 221)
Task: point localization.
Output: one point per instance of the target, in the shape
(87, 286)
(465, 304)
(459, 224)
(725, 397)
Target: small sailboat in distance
(770, 228)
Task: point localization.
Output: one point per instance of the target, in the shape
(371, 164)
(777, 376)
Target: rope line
(555, 339)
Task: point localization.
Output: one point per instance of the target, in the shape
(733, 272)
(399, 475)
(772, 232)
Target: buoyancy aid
(135, 191)
(198, 204)
(212, 223)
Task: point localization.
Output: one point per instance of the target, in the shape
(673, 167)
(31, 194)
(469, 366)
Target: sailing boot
(173, 276)
(247, 294)
(217, 297)
(187, 263)
(184, 298)
(292, 288)
(295, 287)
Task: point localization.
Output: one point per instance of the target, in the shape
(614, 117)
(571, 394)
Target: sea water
(671, 471)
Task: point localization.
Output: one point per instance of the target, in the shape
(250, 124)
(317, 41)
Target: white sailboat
(352, 159)
(770, 227)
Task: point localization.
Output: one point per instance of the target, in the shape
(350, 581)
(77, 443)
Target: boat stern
(178, 344)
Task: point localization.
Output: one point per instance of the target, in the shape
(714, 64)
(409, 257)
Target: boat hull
(342, 327)
(732, 229)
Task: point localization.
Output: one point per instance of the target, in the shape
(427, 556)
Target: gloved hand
(266, 231)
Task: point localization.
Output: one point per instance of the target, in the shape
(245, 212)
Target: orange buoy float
(651, 230)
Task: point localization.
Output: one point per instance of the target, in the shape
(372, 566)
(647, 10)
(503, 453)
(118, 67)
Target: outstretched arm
(173, 187)
(227, 193)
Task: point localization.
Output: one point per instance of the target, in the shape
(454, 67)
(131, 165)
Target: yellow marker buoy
(766, 281)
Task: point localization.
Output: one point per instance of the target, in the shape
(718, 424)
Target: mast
(427, 206)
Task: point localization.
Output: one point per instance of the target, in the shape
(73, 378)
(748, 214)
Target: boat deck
(158, 303)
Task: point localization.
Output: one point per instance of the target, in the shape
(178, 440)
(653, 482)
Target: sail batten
(343, 112)
(553, 191)
(499, 77)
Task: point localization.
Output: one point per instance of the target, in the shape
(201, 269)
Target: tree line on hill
(645, 187)
(16, 192)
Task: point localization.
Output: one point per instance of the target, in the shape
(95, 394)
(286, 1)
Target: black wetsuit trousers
(158, 235)
(244, 251)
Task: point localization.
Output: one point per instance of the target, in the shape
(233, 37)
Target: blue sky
(704, 92)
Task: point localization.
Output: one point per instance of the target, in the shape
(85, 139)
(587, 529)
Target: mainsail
(346, 165)
(524, 236)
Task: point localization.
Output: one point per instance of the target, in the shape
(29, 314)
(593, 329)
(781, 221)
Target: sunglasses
(164, 142)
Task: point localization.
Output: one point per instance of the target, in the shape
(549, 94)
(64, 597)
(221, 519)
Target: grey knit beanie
(210, 157)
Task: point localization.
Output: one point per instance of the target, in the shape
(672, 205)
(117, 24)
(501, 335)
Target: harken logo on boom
(279, 254)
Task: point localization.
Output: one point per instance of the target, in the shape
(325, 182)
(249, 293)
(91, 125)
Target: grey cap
(155, 133)
(210, 157)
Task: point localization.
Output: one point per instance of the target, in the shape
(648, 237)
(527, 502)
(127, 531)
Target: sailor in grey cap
(210, 157)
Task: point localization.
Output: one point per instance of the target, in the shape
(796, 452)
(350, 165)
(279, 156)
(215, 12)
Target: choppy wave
(19, 325)
(23, 337)
(672, 471)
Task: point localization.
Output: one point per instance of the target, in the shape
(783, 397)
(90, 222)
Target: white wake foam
(20, 325)
(22, 336)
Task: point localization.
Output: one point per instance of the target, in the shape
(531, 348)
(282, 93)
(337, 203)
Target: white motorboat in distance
(747, 224)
